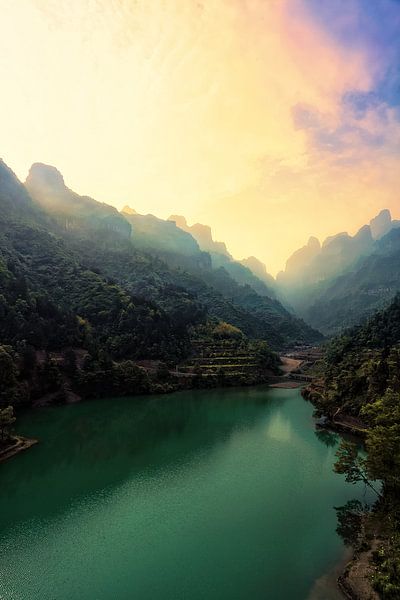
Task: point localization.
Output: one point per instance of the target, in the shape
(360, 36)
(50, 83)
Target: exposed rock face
(321, 285)
(203, 235)
(259, 269)
(255, 265)
(13, 194)
(302, 258)
(47, 187)
(180, 221)
(315, 263)
(381, 224)
(127, 210)
(42, 176)
(151, 233)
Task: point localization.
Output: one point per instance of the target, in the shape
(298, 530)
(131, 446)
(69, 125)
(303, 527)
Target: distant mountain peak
(180, 221)
(202, 234)
(314, 243)
(253, 263)
(127, 210)
(47, 175)
(381, 224)
(47, 188)
(338, 237)
(364, 233)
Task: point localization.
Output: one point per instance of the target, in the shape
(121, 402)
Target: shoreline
(327, 586)
(21, 444)
(354, 580)
(347, 579)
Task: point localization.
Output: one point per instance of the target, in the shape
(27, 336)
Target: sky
(270, 120)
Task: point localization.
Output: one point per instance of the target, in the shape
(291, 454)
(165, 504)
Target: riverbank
(20, 444)
(355, 578)
(128, 470)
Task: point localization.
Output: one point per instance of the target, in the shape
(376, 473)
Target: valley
(99, 305)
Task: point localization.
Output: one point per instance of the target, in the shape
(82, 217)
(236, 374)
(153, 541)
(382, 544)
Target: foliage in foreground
(362, 379)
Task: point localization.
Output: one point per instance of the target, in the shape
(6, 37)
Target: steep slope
(183, 293)
(152, 233)
(359, 388)
(51, 300)
(46, 186)
(314, 263)
(220, 257)
(178, 279)
(259, 269)
(203, 235)
(370, 285)
(316, 275)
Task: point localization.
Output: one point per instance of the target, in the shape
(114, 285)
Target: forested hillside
(82, 305)
(367, 287)
(361, 385)
(345, 280)
(160, 257)
(50, 302)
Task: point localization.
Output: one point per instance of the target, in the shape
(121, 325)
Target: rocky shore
(17, 445)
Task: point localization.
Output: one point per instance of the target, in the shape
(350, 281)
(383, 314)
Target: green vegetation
(7, 419)
(222, 355)
(163, 264)
(362, 381)
(225, 331)
(84, 312)
(65, 328)
(355, 295)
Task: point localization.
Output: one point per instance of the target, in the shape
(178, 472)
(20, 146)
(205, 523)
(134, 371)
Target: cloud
(265, 119)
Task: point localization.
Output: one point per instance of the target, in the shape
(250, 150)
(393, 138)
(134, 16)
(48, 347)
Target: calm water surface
(193, 496)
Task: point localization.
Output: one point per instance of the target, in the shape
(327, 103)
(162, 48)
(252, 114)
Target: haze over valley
(200, 300)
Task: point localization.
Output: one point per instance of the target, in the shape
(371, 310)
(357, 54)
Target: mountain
(150, 232)
(298, 263)
(56, 312)
(259, 269)
(359, 389)
(165, 264)
(46, 186)
(220, 257)
(202, 234)
(368, 286)
(382, 224)
(311, 273)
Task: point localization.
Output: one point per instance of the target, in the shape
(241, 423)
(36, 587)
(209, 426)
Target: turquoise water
(197, 495)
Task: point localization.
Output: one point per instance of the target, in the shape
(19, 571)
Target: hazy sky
(270, 120)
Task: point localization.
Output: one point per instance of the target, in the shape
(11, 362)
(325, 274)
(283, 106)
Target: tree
(265, 357)
(349, 519)
(383, 439)
(8, 375)
(6, 420)
(70, 363)
(226, 331)
(349, 463)
(162, 372)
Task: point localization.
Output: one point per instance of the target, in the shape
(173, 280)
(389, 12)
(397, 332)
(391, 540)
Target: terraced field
(228, 360)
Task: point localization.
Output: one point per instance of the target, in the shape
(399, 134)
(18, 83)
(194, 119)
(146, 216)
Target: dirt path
(289, 364)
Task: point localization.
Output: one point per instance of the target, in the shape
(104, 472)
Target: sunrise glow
(270, 120)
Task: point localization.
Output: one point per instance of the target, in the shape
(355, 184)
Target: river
(199, 495)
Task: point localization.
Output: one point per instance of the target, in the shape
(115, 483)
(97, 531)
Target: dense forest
(361, 383)
(94, 302)
(84, 312)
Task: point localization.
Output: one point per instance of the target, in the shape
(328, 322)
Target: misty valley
(200, 300)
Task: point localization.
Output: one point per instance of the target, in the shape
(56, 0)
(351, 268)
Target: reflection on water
(202, 495)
